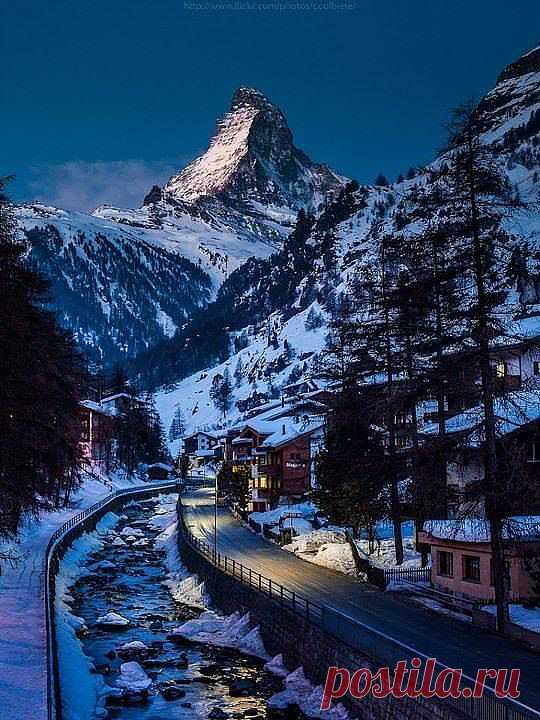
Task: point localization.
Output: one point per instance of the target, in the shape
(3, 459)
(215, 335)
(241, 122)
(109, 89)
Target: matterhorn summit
(252, 160)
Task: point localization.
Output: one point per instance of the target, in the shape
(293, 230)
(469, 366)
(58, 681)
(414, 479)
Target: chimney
(283, 429)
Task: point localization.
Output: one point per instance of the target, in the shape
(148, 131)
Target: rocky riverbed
(127, 620)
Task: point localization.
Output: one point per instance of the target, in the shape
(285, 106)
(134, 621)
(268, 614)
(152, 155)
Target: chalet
(198, 441)
(461, 555)
(279, 455)
(120, 402)
(97, 432)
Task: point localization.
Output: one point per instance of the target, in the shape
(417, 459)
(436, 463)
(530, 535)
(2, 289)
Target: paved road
(454, 643)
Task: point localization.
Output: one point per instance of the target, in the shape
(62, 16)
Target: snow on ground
(306, 509)
(528, 618)
(23, 681)
(81, 690)
(192, 394)
(183, 585)
(385, 552)
(326, 547)
(233, 631)
(433, 604)
(300, 691)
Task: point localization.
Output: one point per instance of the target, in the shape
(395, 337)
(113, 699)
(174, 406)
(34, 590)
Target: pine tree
(350, 469)
(221, 392)
(239, 372)
(42, 375)
(178, 425)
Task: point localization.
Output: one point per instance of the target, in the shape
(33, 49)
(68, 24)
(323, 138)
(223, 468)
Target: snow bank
(82, 691)
(183, 586)
(528, 618)
(306, 509)
(299, 691)
(327, 547)
(224, 631)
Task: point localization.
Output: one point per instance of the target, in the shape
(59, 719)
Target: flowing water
(198, 677)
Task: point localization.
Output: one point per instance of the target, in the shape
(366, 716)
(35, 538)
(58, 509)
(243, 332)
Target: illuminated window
(501, 369)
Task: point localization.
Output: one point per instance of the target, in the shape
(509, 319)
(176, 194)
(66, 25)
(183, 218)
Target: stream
(188, 680)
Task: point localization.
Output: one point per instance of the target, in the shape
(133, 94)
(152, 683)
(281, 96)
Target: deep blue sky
(101, 98)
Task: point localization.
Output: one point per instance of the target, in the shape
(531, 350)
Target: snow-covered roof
(111, 398)
(96, 407)
(288, 430)
(210, 435)
(241, 440)
(476, 530)
(511, 413)
(160, 466)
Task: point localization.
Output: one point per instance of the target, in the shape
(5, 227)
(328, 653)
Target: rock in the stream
(133, 678)
(171, 691)
(134, 649)
(217, 714)
(113, 620)
(242, 687)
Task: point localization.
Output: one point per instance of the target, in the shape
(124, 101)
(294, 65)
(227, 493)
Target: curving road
(454, 643)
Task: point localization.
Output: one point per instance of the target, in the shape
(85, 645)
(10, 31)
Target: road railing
(58, 539)
(382, 649)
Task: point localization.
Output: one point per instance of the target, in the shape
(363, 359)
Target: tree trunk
(490, 447)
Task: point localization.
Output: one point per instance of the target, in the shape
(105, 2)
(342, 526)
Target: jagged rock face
(252, 158)
(515, 96)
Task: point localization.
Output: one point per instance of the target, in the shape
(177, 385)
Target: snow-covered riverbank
(23, 649)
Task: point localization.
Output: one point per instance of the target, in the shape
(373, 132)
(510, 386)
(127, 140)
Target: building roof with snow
(96, 407)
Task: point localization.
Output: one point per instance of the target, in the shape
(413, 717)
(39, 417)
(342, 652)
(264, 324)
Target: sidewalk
(23, 644)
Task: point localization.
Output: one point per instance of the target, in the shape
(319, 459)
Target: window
(445, 562)
(536, 367)
(471, 568)
(533, 454)
(501, 369)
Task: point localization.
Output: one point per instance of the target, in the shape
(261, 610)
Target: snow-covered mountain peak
(252, 161)
(250, 97)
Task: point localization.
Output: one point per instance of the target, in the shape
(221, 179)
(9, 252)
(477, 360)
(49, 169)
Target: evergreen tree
(42, 375)
(221, 392)
(178, 425)
(350, 469)
(239, 372)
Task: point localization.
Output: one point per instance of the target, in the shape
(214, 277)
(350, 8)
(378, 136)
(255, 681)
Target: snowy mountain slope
(123, 280)
(341, 246)
(275, 356)
(241, 197)
(117, 292)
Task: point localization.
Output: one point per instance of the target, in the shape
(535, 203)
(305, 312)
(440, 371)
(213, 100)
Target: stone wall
(304, 643)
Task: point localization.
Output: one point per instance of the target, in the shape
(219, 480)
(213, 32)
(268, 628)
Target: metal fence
(408, 574)
(381, 648)
(52, 559)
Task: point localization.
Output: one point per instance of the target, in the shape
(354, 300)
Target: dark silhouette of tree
(42, 374)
